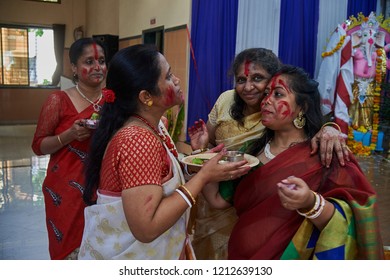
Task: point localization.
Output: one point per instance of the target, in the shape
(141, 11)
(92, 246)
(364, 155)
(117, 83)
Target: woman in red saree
(61, 133)
(291, 206)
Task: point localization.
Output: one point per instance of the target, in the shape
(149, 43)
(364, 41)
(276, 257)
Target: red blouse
(134, 157)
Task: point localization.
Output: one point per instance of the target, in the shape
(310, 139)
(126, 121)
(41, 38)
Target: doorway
(154, 36)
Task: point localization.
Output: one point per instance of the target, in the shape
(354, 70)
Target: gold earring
(149, 103)
(299, 121)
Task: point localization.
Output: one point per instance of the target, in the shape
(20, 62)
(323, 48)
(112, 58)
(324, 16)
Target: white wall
(135, 15)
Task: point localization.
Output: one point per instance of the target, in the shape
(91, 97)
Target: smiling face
(279, 107)
(168, 83)
(91, 66)
(251, 81)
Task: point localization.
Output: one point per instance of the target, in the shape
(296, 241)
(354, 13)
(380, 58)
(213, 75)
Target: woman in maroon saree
(291, 206)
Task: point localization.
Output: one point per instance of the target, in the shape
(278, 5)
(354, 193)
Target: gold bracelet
(333, 124)
(59, 140)
(185, 190)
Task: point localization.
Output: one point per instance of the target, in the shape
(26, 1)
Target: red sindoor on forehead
(96, 51)
(284, 85)
(246, 70)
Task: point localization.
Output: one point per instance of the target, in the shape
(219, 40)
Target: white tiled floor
(22, 224)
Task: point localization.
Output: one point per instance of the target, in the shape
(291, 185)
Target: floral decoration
(338, 46)
(357, 147)
(109, 95)
(377, 97)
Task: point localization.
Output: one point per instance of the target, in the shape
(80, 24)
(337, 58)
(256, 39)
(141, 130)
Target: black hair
(307, 97)
(261, 57)
(131, 70)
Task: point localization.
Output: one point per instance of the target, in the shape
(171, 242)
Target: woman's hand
(199, 136)
(212, 171)
(330, 139)
(79, 132)
(295, 194)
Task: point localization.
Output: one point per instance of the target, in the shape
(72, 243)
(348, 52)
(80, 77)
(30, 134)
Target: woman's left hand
(199, 136)
(329, 139)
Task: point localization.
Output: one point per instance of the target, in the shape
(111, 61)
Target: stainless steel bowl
(233, 156)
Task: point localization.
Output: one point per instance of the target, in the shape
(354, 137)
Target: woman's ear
(145, 97)
(74, 68)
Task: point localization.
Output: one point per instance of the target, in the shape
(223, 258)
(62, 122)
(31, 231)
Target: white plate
(252, 161)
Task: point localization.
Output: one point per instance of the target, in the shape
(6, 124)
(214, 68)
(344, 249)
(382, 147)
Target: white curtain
(258, 24)
(332, 13)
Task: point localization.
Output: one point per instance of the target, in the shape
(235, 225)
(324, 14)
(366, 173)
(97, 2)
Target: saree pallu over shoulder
(235, 136)
(107, 234)
(265, 229)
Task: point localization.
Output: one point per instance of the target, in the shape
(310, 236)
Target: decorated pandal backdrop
(354, 83)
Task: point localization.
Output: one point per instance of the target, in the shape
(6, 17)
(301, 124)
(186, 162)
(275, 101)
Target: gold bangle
(186, 191)
(333, 124)
(59, 140)
(314, 209)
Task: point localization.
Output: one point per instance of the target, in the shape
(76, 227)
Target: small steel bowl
(233, 156)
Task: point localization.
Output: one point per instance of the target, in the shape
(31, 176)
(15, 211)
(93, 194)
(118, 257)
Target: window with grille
(26, 56)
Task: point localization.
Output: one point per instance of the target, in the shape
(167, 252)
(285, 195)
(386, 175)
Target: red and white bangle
(317, 209)
(184, 197)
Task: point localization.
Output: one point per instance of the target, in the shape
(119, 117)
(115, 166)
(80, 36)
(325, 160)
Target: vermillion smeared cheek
(169, 97)
(283, 109)
(85, 73)
(246, 70)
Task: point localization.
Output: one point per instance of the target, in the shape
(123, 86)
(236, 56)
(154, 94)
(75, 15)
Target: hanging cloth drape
(298, 33)
(254, 31)
(59, 43)
(213, 37)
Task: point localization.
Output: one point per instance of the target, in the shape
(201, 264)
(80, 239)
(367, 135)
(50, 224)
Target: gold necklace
(95, 105)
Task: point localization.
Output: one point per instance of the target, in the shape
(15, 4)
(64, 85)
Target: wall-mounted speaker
(110, 43)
